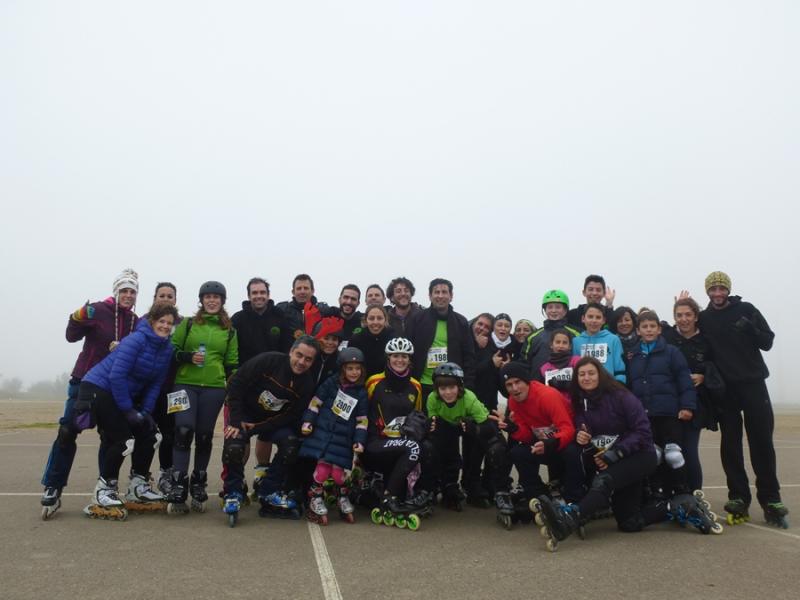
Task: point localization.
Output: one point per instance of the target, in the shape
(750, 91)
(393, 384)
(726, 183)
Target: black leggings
(395, 458)
(114, 432)
(485, 441)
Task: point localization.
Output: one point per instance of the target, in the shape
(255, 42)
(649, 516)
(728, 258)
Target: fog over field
(511, 147)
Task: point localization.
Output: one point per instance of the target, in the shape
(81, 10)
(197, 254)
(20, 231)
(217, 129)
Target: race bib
(177, 402)
(392, 430)
(436, 357)
(268, 401)
(604, 442)
(343, 405)
(598, 351)
(564, 374)
(544, 433)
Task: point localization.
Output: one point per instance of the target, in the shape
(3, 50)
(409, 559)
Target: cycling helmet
(449, 369)
(555, 296)
(399, 345)
(212, 287)
(350, 355)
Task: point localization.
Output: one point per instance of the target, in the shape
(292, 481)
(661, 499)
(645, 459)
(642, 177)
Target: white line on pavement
(773, 530)
(44, 445)
(330, 587)
(725, 487)
(39, 494)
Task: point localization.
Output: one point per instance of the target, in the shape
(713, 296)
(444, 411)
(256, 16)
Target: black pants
(620, 486)
(114, 432)
(752, 401)
(395, 458)
(566, 464)
(669, 430)
(485, 441)
(166, 425)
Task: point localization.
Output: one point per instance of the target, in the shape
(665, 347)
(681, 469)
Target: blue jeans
(62, 453)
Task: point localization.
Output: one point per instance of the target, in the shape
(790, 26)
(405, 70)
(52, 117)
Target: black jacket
(487, 376)
(737, 334)
(576, 314)
(257, 333)
(266, 391)
(374, 349)
(293, 314)
(398, 323)
(421, 330)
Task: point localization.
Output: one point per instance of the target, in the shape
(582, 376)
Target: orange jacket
(544, 408)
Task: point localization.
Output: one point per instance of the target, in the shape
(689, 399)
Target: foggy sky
(511, 147)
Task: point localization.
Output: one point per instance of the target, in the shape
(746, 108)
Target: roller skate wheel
(705, 504)
(376, 516)
(582, 532)
(198, 506)
(505, 521)
(47, 512)
(712, 515)
(717, 528)
(539, 520)
(388, 519)
(543, 532)
(232, 517)
(413, 522)
(699, 494)
(552, 545)
(535, 505)
(400, 521)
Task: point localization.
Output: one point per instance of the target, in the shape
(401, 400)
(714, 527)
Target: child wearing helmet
(457, 412)
(536, 350)
(335, 426)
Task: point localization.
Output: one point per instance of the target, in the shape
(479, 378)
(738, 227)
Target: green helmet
(555, 296)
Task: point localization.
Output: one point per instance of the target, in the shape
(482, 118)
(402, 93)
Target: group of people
(390, 407)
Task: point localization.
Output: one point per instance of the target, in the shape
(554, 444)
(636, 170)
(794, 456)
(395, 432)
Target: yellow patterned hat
(718, 278)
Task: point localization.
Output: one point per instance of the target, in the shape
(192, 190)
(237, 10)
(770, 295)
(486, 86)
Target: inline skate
(775, 514)
(279, 505)
(141, 497)
(231, 507)
(107, 503)
(345, 506)
(317, 511)
(557, 521)
(453, 497)
(51, 502)
(505, 509)
(176, 501)
(694, 510)
(738, 511)
(197, 490)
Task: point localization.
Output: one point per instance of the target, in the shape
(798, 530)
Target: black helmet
(212, 287)
(350, 355)
(449, 369)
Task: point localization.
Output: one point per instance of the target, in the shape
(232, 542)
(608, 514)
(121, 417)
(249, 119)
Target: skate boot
(165, 481)
(260, 472)
(775, 514)
(107, 503)
(420, 504)
(345, 506)
(51, 501)
(738, 511)
(389, 510)
(505, 509)
(520, 501)
(197, 489)
(176, 501)
(141, 497)
(279, 505)
(232, 505)
(477, 496)
(317, 511)
(687, 508)
(452, 497)
(558, 521)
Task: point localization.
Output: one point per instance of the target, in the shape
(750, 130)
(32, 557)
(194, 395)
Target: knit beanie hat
(515, 369)
(127, 279)
(718, 278)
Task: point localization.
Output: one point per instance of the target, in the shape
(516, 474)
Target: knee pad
(287, 450)
(66, 435)
(631, 524)
(233, 451)
(183, 437)
(673, 456)
(203, 440)
(486, 431)
(602, 483)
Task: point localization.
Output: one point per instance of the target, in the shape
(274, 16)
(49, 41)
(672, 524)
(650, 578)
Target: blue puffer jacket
(136, 369)
(661, 379)
(333, 437)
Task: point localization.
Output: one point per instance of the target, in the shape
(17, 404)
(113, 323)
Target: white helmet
(399, 345)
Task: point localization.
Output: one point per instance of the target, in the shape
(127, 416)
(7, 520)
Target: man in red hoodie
(540, 431)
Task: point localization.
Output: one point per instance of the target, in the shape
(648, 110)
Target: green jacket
(222, 352)
(466, 407)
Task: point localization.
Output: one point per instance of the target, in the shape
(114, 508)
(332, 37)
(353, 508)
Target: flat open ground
(452, 556)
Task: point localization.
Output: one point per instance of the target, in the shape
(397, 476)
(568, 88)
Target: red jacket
(543, 408)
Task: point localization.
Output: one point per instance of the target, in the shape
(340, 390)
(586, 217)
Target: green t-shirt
(437, 353)
(466, 407)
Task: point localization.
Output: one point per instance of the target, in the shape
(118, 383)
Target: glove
(745, 325)
(511, 427)
(306, 429)
(550, 446)
(469, 427)
(312, 316)
(135, 418)
(84, 313)
(84, 417)
(611, 456)
(149, 423)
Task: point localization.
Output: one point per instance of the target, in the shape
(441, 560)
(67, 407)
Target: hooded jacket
(222, 352)
(660, 378)
(257, 333)
(536, 349)
(605, 347)
(544, 408)
(294, 317)
(616, 413)
(135, 371)
(98, 333)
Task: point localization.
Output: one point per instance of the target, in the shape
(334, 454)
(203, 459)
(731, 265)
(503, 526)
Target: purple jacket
(98, 333)
(135, 370)
(617, 413)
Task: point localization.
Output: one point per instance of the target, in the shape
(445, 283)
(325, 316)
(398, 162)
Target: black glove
(83, 417)
(184, 357)
(149, 424)
(745, 325)
(135, 418)
(550, 445)
(611, 456)
(511, 427)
